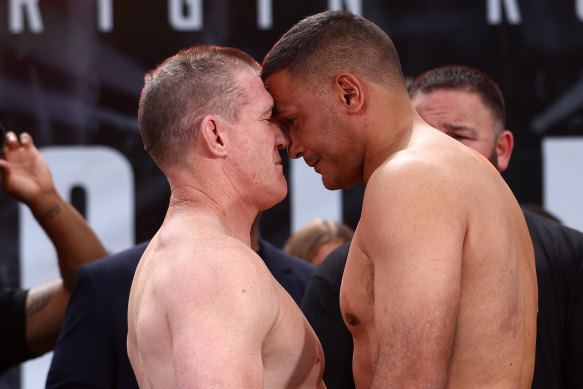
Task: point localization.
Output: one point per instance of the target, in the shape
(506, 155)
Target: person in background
(315, 240)
(422, 308)
(31, 319)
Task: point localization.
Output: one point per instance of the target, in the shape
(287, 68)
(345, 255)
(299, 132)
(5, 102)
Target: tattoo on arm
(54, 211)
(38, 299)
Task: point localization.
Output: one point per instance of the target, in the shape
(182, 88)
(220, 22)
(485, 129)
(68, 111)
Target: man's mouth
(313, 163)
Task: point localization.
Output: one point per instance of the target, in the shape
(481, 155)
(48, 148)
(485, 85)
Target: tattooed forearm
(38, 298)
(54, 211)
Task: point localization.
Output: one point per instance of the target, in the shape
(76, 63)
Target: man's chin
(335, 184)
(330, 185)
(275, 199)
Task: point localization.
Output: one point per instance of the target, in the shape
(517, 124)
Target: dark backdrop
(70, 81)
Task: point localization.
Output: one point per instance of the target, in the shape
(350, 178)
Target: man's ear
(504, 145)
(350, 91)
(213, 135)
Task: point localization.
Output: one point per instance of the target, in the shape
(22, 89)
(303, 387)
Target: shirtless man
(204, 311)
(439, 288)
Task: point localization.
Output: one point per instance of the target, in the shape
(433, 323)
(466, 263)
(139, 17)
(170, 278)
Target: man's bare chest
(357, 290)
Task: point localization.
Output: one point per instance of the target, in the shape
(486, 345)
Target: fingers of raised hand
(25, 139)
(12, 141)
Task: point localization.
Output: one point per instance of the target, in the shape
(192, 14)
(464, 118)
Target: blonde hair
(305, 242)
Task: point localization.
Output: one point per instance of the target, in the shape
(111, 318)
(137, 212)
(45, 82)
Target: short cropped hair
(321, 46)
(465, 78)
(186, 87)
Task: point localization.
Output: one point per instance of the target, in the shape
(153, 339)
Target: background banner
(71, 72)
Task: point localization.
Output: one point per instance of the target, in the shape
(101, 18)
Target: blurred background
(71, 72)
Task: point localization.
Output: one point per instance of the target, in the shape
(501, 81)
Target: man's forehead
(281, 86)
(282, 105)
(442, 93)
(263, 103)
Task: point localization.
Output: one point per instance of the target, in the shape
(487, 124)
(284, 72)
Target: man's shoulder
(421, 166)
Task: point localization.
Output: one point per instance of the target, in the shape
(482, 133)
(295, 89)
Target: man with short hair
(467, 104)
(204, 311)
(440, 287)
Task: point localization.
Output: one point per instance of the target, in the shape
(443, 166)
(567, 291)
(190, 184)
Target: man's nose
(281, 138)
(295, 149)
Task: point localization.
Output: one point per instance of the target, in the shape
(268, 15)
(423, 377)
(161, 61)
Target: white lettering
(107, 178)
(579, 9)
(191, 21)
(494, 11)
(264, 14)
(354, 6)
(17, 9)
(105, 15)
(562, 158)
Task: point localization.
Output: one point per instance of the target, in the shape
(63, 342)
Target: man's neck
(389, 131)
(234, 217)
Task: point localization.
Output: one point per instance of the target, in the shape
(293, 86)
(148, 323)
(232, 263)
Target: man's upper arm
(45, 311)
(218, 327)
(82, 355)
(413, 233)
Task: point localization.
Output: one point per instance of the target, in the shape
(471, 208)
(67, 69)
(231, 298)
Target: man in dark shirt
(31, 319)
(467, 105)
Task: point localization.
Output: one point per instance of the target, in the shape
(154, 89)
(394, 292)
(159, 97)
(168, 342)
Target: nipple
(352, 320)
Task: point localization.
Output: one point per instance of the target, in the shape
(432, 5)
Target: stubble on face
(447, 110)
(342, 166)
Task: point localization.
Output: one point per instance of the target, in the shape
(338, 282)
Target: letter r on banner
(17, 10)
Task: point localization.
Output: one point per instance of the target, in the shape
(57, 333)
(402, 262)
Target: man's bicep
(219, 343)
(45, 312)
(415, 246)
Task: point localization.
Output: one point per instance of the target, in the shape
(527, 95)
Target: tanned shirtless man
(439, 289)
(204, 310)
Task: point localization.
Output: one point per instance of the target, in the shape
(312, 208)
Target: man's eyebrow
(459, 127)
